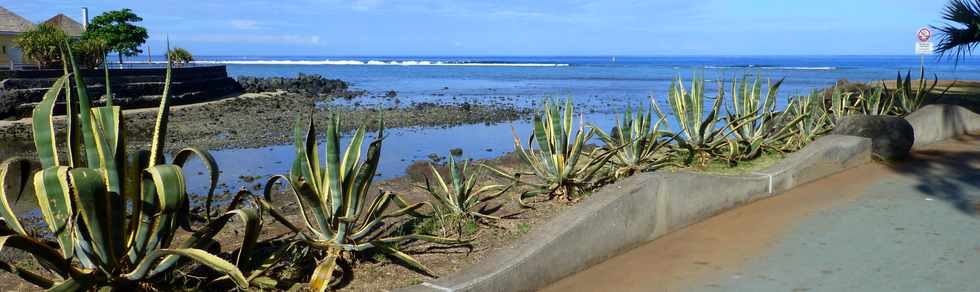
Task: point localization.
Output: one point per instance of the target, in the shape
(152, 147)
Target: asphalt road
(911, 226)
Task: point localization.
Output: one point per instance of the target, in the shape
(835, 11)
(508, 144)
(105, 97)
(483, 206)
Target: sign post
(923, 46)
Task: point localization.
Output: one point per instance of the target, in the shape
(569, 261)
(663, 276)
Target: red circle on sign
(924, 34)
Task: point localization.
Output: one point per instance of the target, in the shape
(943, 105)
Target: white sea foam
(376, 63)
(805, 68)
(772, 68)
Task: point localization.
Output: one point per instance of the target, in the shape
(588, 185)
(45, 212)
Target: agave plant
(457, 198)
(843, 103)
(875, 102)
(699, 133)
(334, 194)
(558, 160)
(908, 98)
(755, 124)
(814, 120)
(637, 143)
(112, 215)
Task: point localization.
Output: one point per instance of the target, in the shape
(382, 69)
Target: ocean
(612, 82)
(599, 86)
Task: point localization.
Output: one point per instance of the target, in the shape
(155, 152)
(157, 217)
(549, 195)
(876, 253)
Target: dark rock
(891, 137)
(457, 152)
(304, 84)
(435, 157)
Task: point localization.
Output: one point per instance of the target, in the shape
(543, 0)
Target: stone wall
(20, 91)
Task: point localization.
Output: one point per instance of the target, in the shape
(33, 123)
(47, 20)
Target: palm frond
(962, 32)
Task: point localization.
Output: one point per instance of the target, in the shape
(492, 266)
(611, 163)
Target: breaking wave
(767, 67)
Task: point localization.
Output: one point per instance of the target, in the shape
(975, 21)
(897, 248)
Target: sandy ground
(905, 227)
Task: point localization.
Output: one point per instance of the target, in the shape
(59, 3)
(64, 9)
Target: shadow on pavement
(950, 172)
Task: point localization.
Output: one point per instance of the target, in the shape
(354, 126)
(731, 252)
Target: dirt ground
(378, 273)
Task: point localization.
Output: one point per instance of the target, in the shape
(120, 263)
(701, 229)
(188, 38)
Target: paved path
(907, 227)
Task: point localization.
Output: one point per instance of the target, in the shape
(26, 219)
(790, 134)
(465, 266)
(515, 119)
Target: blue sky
(520, 27)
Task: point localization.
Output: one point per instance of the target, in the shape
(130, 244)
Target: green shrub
(42, 44)
(91, 52)
(180, 56)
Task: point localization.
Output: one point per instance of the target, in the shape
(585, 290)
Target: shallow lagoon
(401, 148)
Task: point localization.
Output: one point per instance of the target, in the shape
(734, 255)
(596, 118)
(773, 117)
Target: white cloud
(244, 24)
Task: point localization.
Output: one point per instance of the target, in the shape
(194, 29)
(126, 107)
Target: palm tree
(180, 56)
(962, 34)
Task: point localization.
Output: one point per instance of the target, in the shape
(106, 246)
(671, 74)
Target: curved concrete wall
(937, 122)
(637, 210)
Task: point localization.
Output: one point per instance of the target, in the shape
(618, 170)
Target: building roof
(66, 24)
(10, 22)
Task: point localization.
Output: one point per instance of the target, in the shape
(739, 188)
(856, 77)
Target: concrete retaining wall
(185, 73)
(938, 122)
(644, 207)
(637, 210)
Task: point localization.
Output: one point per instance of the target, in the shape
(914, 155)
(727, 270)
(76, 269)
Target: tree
(41, 44)
(180, 56)
(90, 52)
(962, 34)
(116, 28)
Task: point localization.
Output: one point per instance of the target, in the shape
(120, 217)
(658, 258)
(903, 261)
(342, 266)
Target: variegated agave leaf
(700, 134)
(755, 124)
(909, 97)
(559, 161)
(334, 197)
(457, 198)
(113, 213)
(637, 143)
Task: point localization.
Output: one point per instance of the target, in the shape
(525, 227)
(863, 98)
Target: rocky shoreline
(254, 120)
(312, 85)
